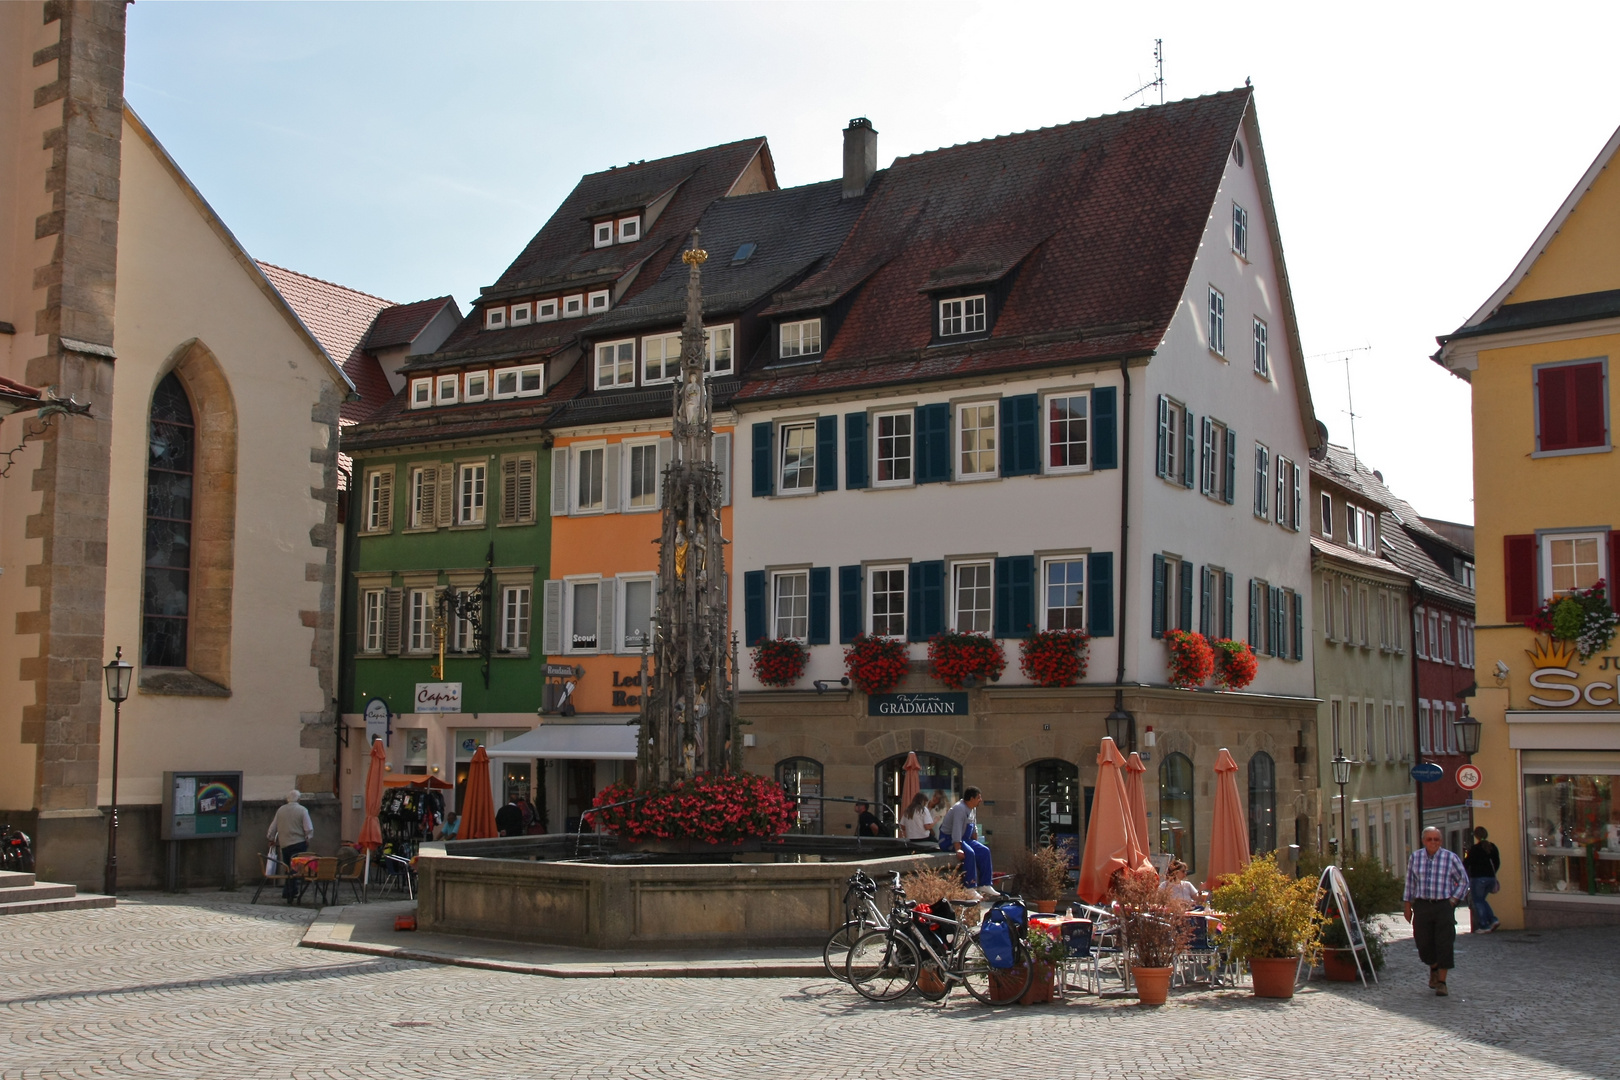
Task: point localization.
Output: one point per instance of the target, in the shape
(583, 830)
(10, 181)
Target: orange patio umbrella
(1110, 847)
(1229, 831)
(912, 784)
(478, 804)
(1138, 800)
(371, 832)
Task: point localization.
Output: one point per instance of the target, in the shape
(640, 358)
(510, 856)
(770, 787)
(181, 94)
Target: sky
(411, 150)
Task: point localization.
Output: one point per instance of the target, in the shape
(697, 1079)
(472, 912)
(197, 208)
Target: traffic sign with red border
(1469, 777)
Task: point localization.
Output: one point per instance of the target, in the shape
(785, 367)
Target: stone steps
(23, 894)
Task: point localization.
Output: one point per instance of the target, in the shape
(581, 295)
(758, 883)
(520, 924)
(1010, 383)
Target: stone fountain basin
(527, 889)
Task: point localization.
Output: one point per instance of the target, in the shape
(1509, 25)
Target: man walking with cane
(1436, 883)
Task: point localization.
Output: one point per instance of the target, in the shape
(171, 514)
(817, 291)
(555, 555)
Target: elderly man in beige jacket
(291, 830)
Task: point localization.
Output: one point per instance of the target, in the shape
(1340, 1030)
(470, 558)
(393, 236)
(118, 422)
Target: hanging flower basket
(955, 657)
(1583, 618)
(1191, 659)
(1054, 657)
(712, 809)
(876, 664)
(1235, 665)
(779, 661)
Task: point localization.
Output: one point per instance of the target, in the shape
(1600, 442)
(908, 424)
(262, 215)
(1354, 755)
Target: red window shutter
(1614, 562)
(1571, 406)
(1552, 399)
(1588, 404)
(1520, 573)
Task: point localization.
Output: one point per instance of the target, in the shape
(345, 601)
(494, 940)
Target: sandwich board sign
(1336, 892)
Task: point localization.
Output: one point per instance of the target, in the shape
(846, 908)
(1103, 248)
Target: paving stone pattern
(207, 986)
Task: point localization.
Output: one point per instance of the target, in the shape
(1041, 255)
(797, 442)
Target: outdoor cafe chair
(324, 879)
(350, 871)
(275, 874)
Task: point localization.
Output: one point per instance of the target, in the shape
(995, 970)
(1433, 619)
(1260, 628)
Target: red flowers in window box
(714, 808)
(876, 664)
(955, 657)
(1235, 665)
(1192, 660)
(1054, 657)
(779, 661)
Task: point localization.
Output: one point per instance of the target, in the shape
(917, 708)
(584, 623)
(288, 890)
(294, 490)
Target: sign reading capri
(953, 704)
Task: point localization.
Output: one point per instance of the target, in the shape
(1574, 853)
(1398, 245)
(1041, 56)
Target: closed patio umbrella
(478, 804)
(1229, 831)
(1110, 847)
(1138, 800)
(912, 784)
(371, 831)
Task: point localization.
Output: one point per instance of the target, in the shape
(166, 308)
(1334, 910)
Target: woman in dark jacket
(1482, 861)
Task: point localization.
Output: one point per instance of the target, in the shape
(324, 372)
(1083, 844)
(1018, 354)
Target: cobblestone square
(208, 986)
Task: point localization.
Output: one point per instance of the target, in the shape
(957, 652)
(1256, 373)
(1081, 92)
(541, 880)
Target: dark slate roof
(400, 324)
(1102, 220)
(619, 406)
(1534, 314)
(1400, 549)
(396, 425)
(1328, 549)
(1340, 466)
(561, 257)
(793, 230)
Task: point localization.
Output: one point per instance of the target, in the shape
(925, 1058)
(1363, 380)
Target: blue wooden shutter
(1299, 627)
(1158, 596)
(1206, 454)
(849, 603)
(820, 605)
(764, 474)
(1205, 624)
(1254, 615)
(1231, 466)
(826, 453)
(855, 451)
(933, 435)
(1161, 463)
(1015, 595)
(754, 607)
(1100, 593)
(1227, 624)
(1104, 428)
(1186, 595)
(926, 618)
(1021, 435)
(1188, 457)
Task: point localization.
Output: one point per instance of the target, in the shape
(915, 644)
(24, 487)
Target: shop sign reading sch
(1553, 673)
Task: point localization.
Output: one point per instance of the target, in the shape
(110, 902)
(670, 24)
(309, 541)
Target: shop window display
(1572, 834)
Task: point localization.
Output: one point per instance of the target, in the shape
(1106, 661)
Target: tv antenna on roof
(1158, 77)
(1343, 356)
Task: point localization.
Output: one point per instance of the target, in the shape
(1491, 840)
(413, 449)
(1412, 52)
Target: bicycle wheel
(996, 986)
(931, 982)
(835, 954)
(882, 966)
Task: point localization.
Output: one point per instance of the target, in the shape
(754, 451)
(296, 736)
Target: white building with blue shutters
(1049, 381)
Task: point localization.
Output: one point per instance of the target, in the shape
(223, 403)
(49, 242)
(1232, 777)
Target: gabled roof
(339, 317)
(395, 424)
(1094, 226)
(561, 257)
(400, 324)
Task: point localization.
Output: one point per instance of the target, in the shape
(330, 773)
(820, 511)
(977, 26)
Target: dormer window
(494, 318)
(717, 360)
(573, 306)
(629, 229)
(526, 381)
(598, 301)
(448, 385)
(615, 364)
(604, 233)
(801, 338)
(962, 315)
(475, 386)
(520, 314)
(545, 310)
(421, 393)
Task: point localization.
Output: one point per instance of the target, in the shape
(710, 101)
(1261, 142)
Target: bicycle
(884, 964)
(861, 914)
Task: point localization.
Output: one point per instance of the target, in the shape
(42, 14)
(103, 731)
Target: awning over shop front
(600, 742)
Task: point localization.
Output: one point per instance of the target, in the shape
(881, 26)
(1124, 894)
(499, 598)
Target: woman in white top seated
(917, 823)
(1178, 885)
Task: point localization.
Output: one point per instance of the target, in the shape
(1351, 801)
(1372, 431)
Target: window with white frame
(1425, 733)
(1068, 432)
(1396, 622)
(470, 484)
(1383, 618)
(1280, 469)
(1465, 642)
(790, 604)
(615, 364)
(599, 301)
(717, 358)
(420, 608)
(976, 437)
(964, 315)
(660, 358)
(1327, 514)
(527, 381)
(1391, 740)
(1262, 479)
(1466, 574)
(1446, 654)
(1326, 613)
(892, 452)
(603, 233)
(972, 599)
(630, 229)
(1217, 321)
(1347, 606)
(1335, 709)
(1370, 715)
(641, 463)
(494, 318)
(545, 310)
(1365, 610)
(379, 492)
(1218, 613)
(573, 306)
(448, 387)
(588, 485)
(475, 386)
(1063, 593)
(1418, 642)
(1434, 637)
(1451, 727)
(1403, 735)
(1240, 230)
(584, 614)
(373, 620)
(886, 601)
(520, 314)
(1212, 459)
(1262, 349)
(463, 637)
(1571, 561)
(638, 596)
(801, 338)
(421, 393)
(516, 605)
(797, 472)
(424, 497)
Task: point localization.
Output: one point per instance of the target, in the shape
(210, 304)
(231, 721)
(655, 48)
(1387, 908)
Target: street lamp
(1122, 729)
(1341, 776)
(1468, 730)
(117, 671)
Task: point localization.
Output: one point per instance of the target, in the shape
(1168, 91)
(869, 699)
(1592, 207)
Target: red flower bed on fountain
(780, 661)
(1191, 659)
(714, 808)
(876, 664)
(1054, 657)
(955, 657)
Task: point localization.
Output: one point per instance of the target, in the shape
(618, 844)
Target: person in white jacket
(291, 830)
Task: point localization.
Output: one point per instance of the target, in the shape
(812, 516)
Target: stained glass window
(167, 586)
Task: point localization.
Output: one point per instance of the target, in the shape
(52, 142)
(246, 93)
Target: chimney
(860, 156)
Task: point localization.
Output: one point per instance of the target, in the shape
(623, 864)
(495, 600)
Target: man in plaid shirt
(1436, 883)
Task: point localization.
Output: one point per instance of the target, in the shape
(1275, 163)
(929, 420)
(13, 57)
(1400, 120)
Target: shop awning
(600, 742)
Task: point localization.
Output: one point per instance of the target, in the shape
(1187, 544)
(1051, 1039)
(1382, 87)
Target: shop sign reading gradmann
(955, 704)
(1553, 673)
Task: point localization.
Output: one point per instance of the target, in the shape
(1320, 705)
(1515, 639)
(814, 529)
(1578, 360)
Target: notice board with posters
(201, 805)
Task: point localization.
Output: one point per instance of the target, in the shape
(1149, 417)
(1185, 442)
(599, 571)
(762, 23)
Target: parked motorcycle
(16, 850)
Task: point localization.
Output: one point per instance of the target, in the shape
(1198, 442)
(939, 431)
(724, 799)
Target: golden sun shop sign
(1554, 676)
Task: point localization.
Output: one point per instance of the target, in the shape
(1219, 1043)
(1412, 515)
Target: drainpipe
(1417, 743)
(1124, 532)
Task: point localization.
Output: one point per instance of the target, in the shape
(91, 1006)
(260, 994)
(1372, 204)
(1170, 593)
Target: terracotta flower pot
(1273, 976)
(1040, 986)
(929, 983)
(1045, 907)
(1152, 984)
(1340, 965)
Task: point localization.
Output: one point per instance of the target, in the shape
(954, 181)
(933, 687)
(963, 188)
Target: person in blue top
(1436, 882)
(959, 832)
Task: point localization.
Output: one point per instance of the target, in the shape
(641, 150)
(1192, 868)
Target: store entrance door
(579, 789)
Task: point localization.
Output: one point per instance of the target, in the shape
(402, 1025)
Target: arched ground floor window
(1262, 803)
(801, 777)
(940, 779)
(1176, 807)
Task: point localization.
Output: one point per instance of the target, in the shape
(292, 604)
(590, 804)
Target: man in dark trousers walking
(1436, 883)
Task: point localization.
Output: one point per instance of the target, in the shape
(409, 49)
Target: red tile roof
(1091, 228)
(339, 317)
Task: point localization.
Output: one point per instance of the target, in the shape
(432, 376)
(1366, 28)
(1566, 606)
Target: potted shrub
(779, 661)
(1582, 617)
(1272, 922)
(1374, 891)
(1054, 657)
(1047, 950)
(955, 657)
(1338, 963)
(1156, 930)
(1191, 658)
(876, 664)
(1041, 877)
(1235, 665)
